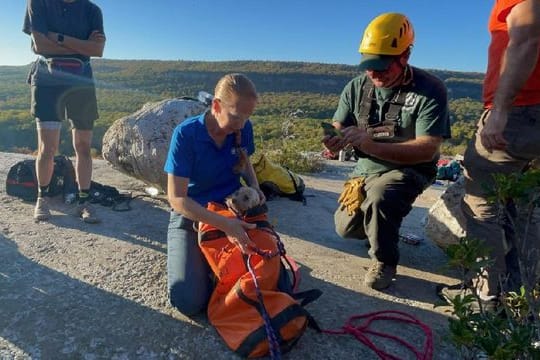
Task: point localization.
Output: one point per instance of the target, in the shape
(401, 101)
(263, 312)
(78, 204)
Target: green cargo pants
(389, 198)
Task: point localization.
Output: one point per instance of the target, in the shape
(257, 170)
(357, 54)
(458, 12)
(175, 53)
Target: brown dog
(242, 200)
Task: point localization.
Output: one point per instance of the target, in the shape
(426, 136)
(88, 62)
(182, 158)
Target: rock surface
(70, 290)
(445, 223)
(137, 144)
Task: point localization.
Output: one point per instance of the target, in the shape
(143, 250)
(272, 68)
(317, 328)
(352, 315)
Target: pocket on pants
(420, 181)
(523, 132)
(31, 72)
(178, 221)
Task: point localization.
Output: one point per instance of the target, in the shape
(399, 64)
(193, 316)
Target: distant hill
(269, 76)
(125, 85)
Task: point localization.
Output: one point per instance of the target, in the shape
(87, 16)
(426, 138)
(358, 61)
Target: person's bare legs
(48, 140)
(82, 140)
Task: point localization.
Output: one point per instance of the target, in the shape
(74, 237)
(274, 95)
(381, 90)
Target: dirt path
(70, 290)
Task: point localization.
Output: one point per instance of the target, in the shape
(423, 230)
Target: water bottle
(205, 98)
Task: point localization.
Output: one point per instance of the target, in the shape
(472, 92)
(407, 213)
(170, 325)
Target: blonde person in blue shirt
(208, 156)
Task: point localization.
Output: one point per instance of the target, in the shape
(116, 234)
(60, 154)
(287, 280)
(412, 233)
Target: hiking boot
(379, 275)
(449, 293)
(87, 213)
(41, 211)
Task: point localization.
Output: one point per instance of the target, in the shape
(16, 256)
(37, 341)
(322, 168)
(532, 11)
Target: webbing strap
(278, 321)
(272, 334)
(367, 102)
(394, 107)
(217, 234)
(297, 194)
(307, 296)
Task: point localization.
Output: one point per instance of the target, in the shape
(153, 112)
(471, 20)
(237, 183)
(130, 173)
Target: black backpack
(63, 180)
(22, 182)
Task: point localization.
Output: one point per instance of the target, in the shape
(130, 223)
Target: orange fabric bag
(239, 304)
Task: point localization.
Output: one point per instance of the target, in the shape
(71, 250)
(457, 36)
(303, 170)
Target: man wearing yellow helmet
(396, 117)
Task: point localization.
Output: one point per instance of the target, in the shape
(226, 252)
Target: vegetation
(309, 90)
(512, 331)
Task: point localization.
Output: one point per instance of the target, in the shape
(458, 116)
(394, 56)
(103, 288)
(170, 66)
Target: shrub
(513, 331)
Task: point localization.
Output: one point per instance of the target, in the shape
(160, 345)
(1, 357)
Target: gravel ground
(70, 290)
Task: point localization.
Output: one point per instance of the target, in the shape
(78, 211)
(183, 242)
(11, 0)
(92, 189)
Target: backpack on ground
(449, 171)
(63, 182)
(252, 307)
(109, 196)
(276, 180)
(22, 182)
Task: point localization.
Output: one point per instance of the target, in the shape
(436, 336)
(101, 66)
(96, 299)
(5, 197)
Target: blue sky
(450, 35)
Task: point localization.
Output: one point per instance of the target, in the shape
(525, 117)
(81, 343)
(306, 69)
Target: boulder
(445, 223)
(137, 144)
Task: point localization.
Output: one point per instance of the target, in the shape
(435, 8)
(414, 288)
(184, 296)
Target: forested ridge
(285, 87)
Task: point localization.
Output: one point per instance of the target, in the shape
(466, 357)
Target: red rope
(361, 332)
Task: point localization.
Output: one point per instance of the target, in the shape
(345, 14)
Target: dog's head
(242, 200)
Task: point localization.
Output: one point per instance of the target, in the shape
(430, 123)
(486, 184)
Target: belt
(48, 60)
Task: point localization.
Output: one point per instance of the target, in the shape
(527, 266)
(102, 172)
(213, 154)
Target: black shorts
(77, 103)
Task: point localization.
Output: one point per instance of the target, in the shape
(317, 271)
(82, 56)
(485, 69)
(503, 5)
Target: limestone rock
(445, 220)
(137, 144)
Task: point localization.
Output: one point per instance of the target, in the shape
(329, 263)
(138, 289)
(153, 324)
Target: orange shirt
(530, 93)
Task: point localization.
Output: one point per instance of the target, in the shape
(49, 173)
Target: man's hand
(334, 143)
(357, 137)
(491, 135)
(237, 235)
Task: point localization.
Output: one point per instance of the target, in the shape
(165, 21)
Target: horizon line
(246, 60)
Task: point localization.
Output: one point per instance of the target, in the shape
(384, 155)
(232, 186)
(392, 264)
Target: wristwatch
(60, 39)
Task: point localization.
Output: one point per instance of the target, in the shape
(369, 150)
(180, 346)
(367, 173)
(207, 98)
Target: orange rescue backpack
(248, 309)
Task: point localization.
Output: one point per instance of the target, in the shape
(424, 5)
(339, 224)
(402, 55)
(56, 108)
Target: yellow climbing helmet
(387, 34)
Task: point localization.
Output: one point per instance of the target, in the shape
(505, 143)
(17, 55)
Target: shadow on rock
(50, 315)
(145, 224)
(315, 223)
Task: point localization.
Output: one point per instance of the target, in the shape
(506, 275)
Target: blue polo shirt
(194, 155)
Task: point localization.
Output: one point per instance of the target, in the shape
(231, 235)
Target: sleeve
(96, 21)
(505, 9)
(35, 19)
(345, 111)
(247, 138)
(180, 158)
(433, 115)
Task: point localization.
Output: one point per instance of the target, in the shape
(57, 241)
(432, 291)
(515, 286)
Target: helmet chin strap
(402, 79)
(407, 75)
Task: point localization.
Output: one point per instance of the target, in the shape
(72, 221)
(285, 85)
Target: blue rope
(267, 254)
(275, 351)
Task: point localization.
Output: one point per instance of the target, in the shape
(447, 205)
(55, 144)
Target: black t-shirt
(77, 19)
